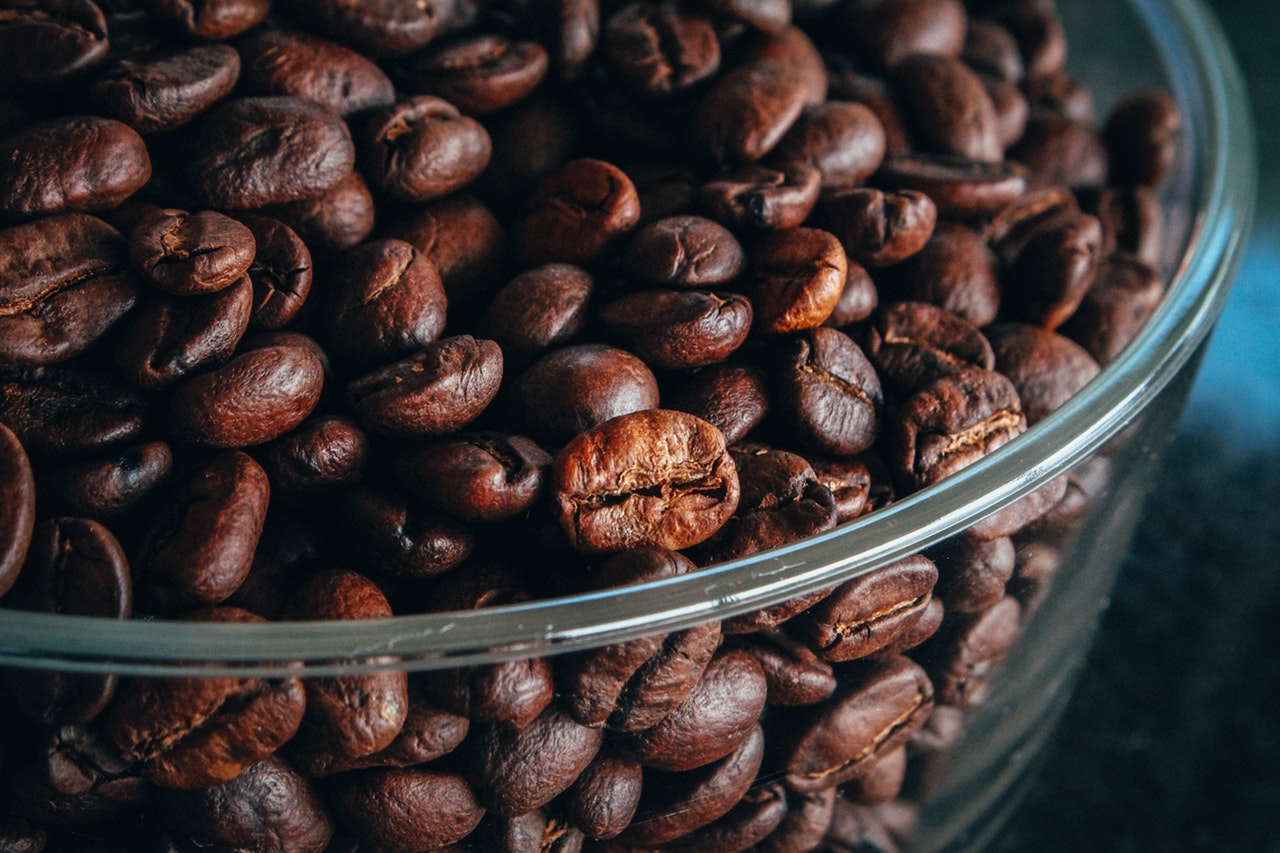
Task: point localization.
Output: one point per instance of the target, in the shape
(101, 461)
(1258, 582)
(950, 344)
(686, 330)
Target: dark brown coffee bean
(794, 674)
(756, 815)
(748, 111)
(104, 488)
(1047, 369)
(18, 512)
(760, 197)
(991, 49)
(849, 481)
(1057, 264)
(201, 545)
(386, 302)
(532, 831)
(953, 422)
(1038, 30)
(732, 398)
(285, 62)
(604, 798)
(843, 140)
(794, 47)
(433, 393)
(166, 90)
(74, 566)
(579, 215)
(423, 148)
(64, 281)
(318, 459)
(648, 478)
(70, 776)
(414, 810)
(485, 477)
(955, 270)
(373, 26)
(804, 825)
(212, 20)
(46, 45)
(515, 772)
(337, 219)
(1061, 151)
(972, 574)
(539, 309)
(881, 782)
(1059, 93)
(948, 106)
(869, 612)
(914, 343)
(281, 272)
(575, 388)
(190, 732)
(172, 337)
(1132, 221)
(1124, 295)
(530, 141)
(828, 392)
(799, 278)
(874, 712)
(858, 298)
(876, 228)
(675, 804)
(963, 657)
(348, 717)
(676, 329)
(848, 82)
(959, 189)
(253, 152)
(257, 396)
(1140, 135)
(658, 49)
(402, 539)
(71, 164)
(428, 733)
(270, 800)
(684, 251)
(479, 74)
(882, 33)
(191, 253)
(1011, 109)
(572, 29)
(61, 412)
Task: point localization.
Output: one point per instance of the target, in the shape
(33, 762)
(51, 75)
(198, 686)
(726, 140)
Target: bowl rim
(1207, 84)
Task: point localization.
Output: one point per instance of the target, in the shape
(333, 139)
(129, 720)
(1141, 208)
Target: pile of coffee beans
(345, 309)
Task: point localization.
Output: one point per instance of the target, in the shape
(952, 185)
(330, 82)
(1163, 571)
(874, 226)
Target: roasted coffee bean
(61, 412)
(169, 338)
(73, 566)
(963, 657)
(406, 809)
(878, 229)
(656, 50)
(571, 28)
(1125, 293)
(1059, 93)
(532, 831)
(732, 398)
(1139, 136)
(281, 272)
(948, 106)
(872, 714)
(193, 732)
(843, 140)
(401, 538)
(604, 798)
(989, 48)
(386, 302)
(676, 329)
(1011, 109)
(684, 251)
(270, 800)
(953, 422)
(760, 198)
(64, 281)
(828, 392)
(867, 613)
(191, 253)
(1061, 151)
(253, 152)
(378, 27)
(850, 483)
(70, 776)
(348, 717)
(655, 477)
(793, 674)
(164, 91)
(479, 74)
(847, 82)
(467, 244)
(539, 309)
(579, 214)
(428, 733)
(285, 62)
(1053, 271)
(576, 388)
(485, 477)
(1038, 30)
(515, 772)
(73, 164)
(530, 141)
(423, 148)
(972, 574)
(212, 20)
(799, 278)
(1132, 221)
(432, 393)
(955, 270)
(18, 513)
(257, 396)
(858, 298)
(914, 343)
(757, 814)
(105, 488)
(47, 46)
(318, 459)
(333, 221)
(1047, 369)
(748, 111)
(880, 782)
(884, 32)
(793, 47)
(675, 804)
(958, 188)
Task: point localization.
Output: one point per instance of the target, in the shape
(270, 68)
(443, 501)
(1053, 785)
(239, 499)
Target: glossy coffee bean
(212, 19)
(286, 62)
(829, 393)
(878, 229)
(388, 27)
(191, 253)
(317, 460)
(959, 188)
(64, 281)
(579, 214)
(423, 148)
(793, 674)
(407, 809)
(948, 107)
(914, 343)
(758, 197)
(1125, 293)
(482, 478)
(604, 797)
(540, 309)
(799, 277)
(429, 732)
(164, 91)
(849, 481)
(479, 74)
(1054, 270)
(843, 140)
(972, 574)
(104, 488)
(62, 412)
(1061, 151)
(189, 732)
(659, 50)
(962, 658)
(1140, 136)
(684, 251)
(991, 49)
(955, 270)
(47, 46)
(656, 477)
(732, 398)
(72, 776)
(675, 329)
(1046, 368)
(334, 220)
(281, 272)
(748, 111)
(1132, 221)
(18, 514)
(402, 538)
(884, 32)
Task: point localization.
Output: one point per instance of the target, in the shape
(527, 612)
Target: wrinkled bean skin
(659, 50)
(913, 343)
(372, 805)
(760, 198)
(676, 329)
(667, 480)
(829, 392)
(800, 276)
(580, 212)
(404, 540)
(191, 253)
(604, 797)
(684, 251)
(166, 91)
(62, 412)
(281, 272)
(102, 489)
(283, 62)
(479, 75)
(879, 229)
(18, 513)
(318, 459)
(423, 148)
(69, 39)
(481, 478)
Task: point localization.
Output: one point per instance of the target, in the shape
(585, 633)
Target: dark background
(1172, 739)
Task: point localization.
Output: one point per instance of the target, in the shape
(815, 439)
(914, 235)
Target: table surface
(1172, 739)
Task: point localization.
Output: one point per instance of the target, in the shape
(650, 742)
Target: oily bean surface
(285, 62)
(166, 90)
(191, 253)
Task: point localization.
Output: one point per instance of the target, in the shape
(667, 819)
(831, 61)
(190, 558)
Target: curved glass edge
(1210, 89)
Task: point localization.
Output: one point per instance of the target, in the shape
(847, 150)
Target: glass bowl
(1004, 695)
